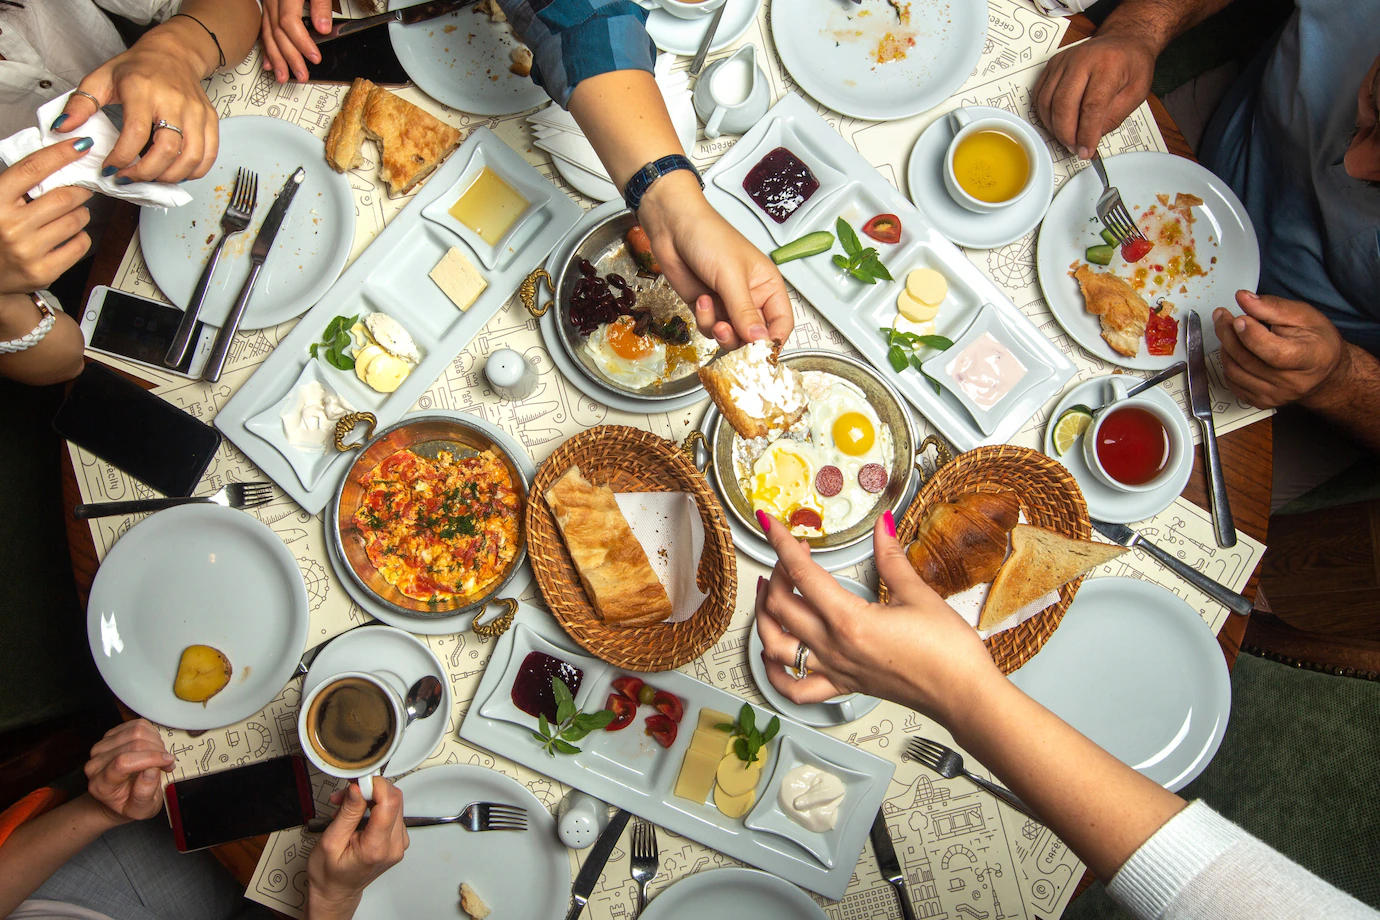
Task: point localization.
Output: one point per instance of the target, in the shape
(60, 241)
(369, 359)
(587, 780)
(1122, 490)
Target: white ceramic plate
(197, 575)
(819, 715)
(371, 648)
(1071, 226)
(731, 893)
(308, 252)
(925, 178)
(454, 59)
(1104, 502)
(684, 36)
(815, 39)
(520, 874)
(532, 219)
(1138, 671)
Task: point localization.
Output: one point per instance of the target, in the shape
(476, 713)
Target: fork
(1110, 208)
(646, 860)
(476, 816)
(948, 763)
(234, 495)
(243, 199)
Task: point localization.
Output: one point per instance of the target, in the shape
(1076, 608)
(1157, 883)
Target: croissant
(963, 543)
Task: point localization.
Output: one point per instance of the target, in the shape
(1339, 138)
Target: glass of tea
(351, 724)
(1134, 444)
(989, 163)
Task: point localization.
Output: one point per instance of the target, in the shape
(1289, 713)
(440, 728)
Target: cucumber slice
(1100, 255)
(811, 244)
(1108, 237)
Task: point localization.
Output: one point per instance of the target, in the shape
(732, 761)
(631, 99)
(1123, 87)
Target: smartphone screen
(125, 425)
(368, 54)
(140, 329)
(244, 802)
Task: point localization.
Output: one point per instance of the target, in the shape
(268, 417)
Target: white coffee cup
(394, 689)
(1121, 401)
(682, 9)
(966, 126)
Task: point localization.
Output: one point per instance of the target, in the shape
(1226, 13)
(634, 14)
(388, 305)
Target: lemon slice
(1070, 427)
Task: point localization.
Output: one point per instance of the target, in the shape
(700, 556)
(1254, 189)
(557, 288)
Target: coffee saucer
(1104, 502)
(383, 648)
(925, 176)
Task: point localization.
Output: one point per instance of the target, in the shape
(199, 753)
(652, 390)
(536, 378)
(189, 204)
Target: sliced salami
(806, 517)
(829, 481)
(872, 477)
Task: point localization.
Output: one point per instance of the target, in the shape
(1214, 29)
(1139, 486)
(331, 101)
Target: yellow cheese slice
(361, 334)
(386, 372)
(710, 718)
(364, 357)
(696, 776)
(735, 777)
(914, 310)
(710, 742)
(457, 277)
(734, 806)
(927, 286)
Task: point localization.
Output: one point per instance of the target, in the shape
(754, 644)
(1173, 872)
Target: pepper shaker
(510, 374)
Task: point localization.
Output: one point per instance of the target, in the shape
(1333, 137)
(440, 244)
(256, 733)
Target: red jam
(1132, 445)
(532, 691)
(780, 183)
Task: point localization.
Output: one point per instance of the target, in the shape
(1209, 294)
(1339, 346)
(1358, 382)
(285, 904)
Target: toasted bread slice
(756, 393)
(412, 142)
(1040, 561)
(346, 137)
(1122, 310)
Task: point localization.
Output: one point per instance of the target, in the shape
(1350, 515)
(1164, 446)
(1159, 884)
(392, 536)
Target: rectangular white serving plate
(630, 770)
(858, 310)
(391, 276)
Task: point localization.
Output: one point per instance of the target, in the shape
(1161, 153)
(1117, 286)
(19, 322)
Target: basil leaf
(936, 341)
(773, 727)
(754, 739)
(740, 747)
(847, 237)
(564, 747)
(747, 719)
(897, 358)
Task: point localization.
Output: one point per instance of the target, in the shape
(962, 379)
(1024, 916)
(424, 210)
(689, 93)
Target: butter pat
(457, 277)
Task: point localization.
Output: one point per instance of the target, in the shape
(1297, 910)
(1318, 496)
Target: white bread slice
(756, 393)
(1040, 561)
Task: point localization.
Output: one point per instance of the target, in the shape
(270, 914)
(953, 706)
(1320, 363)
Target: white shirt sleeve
(1200, 865)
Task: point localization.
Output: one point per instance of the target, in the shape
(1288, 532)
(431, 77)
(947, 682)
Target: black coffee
(350, 723)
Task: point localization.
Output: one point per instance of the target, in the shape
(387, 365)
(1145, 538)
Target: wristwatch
(642, 179)
(45, 325)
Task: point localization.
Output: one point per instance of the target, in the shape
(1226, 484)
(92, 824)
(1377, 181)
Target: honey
(489, 206)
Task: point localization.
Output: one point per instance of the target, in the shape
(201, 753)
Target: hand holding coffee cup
(990, 164)
(1133, 444)
(351, 724)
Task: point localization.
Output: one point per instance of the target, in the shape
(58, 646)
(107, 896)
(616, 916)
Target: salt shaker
(510, 375)
(580, 819)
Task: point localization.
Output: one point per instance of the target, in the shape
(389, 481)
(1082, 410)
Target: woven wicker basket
(631, 460)
(1049, 497)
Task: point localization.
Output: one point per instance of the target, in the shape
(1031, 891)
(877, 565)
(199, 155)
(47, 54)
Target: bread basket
(631, 460)
(1049, 497)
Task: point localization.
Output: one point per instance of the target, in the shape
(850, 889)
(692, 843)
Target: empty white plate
(725, 893)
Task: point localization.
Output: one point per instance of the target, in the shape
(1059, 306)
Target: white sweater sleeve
(1200, 865)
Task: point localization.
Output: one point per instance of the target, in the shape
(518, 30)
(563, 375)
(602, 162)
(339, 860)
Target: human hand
(1087, 90)
(1280, 351)
(122, 774)
(41, 239)
(737, 293)
(914, 650)
(287, 41)
(346, 859)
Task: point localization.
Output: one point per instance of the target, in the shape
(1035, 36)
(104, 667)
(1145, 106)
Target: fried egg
(632, 360)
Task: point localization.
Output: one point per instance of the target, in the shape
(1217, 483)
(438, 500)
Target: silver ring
(82, 92)
(160, 123)
(802, 652)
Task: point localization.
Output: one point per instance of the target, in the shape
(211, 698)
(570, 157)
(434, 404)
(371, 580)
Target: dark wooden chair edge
(1267, 636)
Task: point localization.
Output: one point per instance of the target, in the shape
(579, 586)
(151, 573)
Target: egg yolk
(626, 343)
(854, 434)
(782, 481)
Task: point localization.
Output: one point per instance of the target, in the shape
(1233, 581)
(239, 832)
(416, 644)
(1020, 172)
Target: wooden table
(1247, 462)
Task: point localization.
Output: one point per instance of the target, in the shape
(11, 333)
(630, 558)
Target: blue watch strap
(642, 179)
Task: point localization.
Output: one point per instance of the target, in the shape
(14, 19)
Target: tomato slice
(629, 687)
(662, 729)
(1161, 333)
(669, 705)
(624, 711)
(884, 228)
(1135, 249)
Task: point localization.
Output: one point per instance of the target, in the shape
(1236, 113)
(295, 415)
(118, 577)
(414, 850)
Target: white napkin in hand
(668, 526)
(86, 172)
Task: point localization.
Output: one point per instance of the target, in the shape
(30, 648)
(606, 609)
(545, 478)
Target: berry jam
(780, 183)
(532, 691)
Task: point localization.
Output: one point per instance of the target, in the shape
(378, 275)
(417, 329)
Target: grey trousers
(134, 872)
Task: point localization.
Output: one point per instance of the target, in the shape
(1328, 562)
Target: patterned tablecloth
(964, 854)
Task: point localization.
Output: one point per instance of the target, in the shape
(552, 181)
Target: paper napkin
(86, 172)
(668, 526)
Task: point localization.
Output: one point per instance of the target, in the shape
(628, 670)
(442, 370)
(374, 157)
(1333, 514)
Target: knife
(309, 656)
(1201, 403)
(408, 15)
(594, 866)
(262, 244)
(1125, 536)
(889, 865)
(1178, 367)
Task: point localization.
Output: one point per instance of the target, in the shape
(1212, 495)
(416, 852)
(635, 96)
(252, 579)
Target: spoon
(422, 700)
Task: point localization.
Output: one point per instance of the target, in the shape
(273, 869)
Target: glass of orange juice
(989, 164)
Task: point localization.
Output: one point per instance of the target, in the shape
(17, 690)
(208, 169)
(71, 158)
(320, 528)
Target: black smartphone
(206, 811)
(125, 425)
(368, 54)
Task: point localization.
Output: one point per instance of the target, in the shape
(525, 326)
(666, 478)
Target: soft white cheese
(811, 798)
(310, 418)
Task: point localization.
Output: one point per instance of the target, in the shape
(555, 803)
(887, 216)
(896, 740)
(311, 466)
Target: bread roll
(962, 543)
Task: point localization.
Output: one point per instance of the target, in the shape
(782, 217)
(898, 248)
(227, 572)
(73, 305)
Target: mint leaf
(773, 727)
(936, 341)
(312, 350)
(841, 262)
(740, 747)
(725, 726)
(543, 725)
(564, 747)
(848, 238)
(590, 721)
(896, 357)
(747, 719)
(917, 362)
(934, 383)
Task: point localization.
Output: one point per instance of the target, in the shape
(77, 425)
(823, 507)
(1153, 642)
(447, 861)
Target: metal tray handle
(346, 424)
(499, 624)
(530, 292)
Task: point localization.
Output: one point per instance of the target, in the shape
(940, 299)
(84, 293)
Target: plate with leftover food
(688, 756)
(308, 253)
(1126, 304)
(1138, 672)
(879, 59)
(469, 60)
(197, 617)
(453, 873)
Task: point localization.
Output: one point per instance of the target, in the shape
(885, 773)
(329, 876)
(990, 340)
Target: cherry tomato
(884, 228)
(624, 711)
(629, 687)
(1135, 249)
(662, 729)
(669, 705)
(646, 695)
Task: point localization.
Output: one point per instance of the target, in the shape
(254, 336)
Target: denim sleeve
(575, 39)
